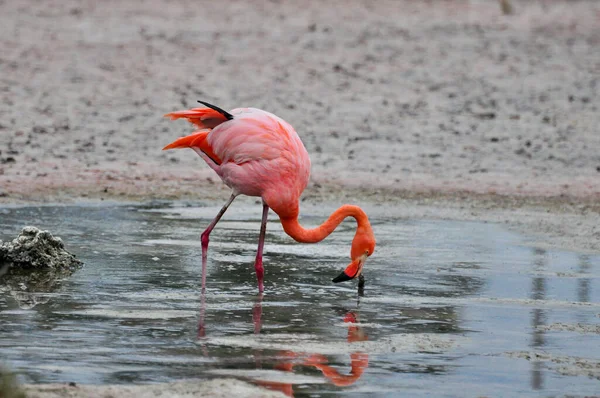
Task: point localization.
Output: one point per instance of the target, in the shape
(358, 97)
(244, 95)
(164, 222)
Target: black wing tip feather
(227, 115)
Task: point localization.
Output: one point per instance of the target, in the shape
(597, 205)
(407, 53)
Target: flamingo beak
(352, 270)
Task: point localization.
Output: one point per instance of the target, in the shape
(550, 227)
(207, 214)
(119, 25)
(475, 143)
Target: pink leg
(257, 314)
(256, 319)
(258, 264)
(204, 238)
(201, 329)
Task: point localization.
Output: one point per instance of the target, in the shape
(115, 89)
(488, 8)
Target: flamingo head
(363, 245)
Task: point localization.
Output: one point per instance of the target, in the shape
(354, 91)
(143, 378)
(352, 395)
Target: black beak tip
(343, 277)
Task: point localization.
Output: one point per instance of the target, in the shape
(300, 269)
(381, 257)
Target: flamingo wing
(262, 156)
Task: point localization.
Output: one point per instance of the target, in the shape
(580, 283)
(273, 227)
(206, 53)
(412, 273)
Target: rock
(33, 265)
(37, 250)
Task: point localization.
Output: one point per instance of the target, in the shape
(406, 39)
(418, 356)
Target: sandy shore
(410, 96)
(451, 104)
(433, 109)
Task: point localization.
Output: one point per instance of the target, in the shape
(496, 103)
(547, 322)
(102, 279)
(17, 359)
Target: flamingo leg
(201, 329)
(258, 264)
(204, 238)
(257, 314)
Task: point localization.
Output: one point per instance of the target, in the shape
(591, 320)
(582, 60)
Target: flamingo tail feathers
(204, 118)
(195, 140)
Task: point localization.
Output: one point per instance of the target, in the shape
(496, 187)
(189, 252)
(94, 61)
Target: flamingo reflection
(359, 361)
(289, 361)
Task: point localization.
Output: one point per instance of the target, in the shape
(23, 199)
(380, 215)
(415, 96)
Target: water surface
(450, 308)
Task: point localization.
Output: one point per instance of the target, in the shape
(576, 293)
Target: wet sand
(223, 388)
(439, 110)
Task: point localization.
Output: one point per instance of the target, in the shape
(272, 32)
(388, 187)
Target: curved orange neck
(293, 228)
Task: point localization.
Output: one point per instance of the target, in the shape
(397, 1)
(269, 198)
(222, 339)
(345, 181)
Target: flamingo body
(262, 155)
(256, 153)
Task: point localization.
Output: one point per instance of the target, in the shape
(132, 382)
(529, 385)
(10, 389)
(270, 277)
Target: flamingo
(256, 153)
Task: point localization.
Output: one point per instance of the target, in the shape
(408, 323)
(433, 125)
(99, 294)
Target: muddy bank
(568, 366)
(446, 96)
(578, 327)
(223, 388)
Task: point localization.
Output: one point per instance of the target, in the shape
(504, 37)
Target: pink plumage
(262, 156)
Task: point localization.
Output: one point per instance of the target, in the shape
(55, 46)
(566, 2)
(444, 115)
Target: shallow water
(450, 308)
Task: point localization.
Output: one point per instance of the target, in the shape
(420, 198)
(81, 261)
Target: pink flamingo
(258, 154)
